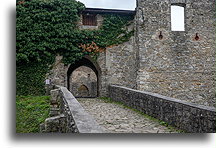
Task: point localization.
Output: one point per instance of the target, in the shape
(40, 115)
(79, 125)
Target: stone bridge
(67, 115)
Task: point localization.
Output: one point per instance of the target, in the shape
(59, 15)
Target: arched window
(177, 18)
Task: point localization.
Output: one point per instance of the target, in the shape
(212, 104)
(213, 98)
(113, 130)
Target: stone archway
(87, 62)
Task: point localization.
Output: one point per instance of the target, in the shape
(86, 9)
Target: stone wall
(117, 65)
(67, 115)
(189, 117)
(83, 79)
(178, 64)
(121, 64)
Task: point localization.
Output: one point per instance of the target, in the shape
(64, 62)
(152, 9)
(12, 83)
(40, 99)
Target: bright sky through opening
(177, 18)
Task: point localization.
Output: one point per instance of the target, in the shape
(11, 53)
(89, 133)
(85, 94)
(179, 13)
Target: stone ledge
(212, 109)
(84, 122)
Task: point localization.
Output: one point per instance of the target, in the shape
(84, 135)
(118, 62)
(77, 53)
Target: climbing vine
(30, 78)
(46, 28)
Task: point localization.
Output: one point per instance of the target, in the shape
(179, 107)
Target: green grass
(31, 111)
(171, 128)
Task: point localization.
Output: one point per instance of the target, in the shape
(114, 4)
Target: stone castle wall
(121, 64)
(177, 65)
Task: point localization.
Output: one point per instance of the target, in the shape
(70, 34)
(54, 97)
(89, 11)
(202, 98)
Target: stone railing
(67, 115)
(183, 115)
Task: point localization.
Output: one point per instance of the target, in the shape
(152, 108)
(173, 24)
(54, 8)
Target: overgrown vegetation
(30, 78)
(171, 128)
(31, 112)
(46, 28)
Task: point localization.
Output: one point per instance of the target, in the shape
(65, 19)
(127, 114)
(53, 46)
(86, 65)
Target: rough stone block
(186, 116)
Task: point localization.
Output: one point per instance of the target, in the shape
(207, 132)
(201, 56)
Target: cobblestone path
(115, 118)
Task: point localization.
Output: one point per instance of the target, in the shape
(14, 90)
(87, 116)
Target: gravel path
(115, 118)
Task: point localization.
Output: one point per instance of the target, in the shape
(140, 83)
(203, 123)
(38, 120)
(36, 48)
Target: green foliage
(106, 99)
(46, 28)
(31, 112)
(30, 78)
(113, 31)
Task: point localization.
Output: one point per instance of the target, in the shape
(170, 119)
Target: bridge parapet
(67, 115)
(189, 117)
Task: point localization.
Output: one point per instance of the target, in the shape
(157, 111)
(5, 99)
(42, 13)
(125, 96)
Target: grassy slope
(31, 111)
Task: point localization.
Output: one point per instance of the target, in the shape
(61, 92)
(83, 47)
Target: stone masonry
(177, 64)
(83, 82)
(67, 115)
(189, 117)
(120, 119)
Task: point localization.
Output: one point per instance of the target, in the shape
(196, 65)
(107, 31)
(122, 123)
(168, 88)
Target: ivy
(46, 28)
(114, 30)
(30, 78)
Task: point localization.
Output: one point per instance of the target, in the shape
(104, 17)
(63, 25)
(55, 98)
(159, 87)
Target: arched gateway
(88, 62)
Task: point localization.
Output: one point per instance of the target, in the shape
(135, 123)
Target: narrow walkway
(115, 118)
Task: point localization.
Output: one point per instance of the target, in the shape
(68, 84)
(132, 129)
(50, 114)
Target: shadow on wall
(83, 91)
(83, 82)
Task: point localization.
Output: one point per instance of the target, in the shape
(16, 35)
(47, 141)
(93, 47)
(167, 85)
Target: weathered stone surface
(83, 82)
(186, 116)
(53, 124)
(178, 65)
(68, 116)
(117, 119)
(58, 73)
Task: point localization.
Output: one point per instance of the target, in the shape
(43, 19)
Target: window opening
(177, 18)
(89, 19)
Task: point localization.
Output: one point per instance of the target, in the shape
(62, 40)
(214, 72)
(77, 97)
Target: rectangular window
(89, 20)
(177, 18)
